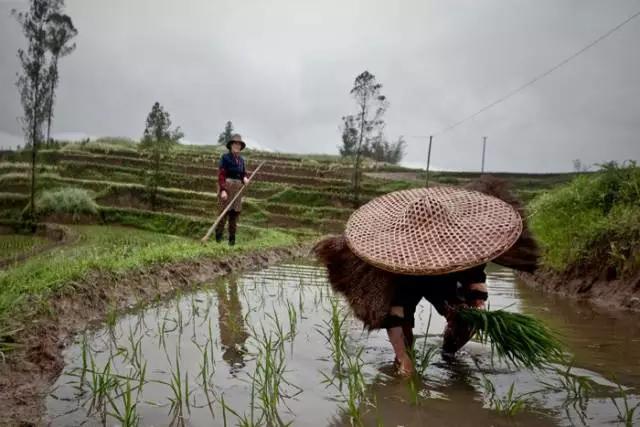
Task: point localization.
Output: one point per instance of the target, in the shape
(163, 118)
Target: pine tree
(157, 142)
(225, 136)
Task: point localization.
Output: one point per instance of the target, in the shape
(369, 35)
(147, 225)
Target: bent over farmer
(430, 243)
(231, 178)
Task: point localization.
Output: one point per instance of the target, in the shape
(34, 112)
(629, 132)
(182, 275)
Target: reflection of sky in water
(235, 311)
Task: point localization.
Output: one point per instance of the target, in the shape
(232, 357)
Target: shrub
(593, 222)
(74, 201)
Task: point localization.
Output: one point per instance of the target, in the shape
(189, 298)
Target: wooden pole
(429, 158)
(226, 209)
(484, 148)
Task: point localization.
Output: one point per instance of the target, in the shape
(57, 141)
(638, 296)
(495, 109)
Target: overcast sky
(282, 71)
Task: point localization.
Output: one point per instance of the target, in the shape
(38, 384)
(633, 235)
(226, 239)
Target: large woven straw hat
(430, 231)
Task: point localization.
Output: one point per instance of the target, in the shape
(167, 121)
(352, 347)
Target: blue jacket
(230, 166)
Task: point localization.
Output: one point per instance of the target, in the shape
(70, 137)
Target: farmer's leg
(395, 330)
(458, 333)
(233, 225)
(220, 227)
(399, 324)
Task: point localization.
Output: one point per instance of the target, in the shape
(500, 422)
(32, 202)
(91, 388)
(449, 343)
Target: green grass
(592, 223)
(74, 201)
(15, 244)
(112, 249)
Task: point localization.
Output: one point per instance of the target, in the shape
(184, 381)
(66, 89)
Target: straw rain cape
(369, 289)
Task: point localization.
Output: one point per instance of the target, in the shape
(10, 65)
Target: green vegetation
(74, 201)
(592, 224)
(112, 249)
(521, 340)
(12, 245)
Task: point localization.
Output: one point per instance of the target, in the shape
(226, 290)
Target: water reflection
(292, 304)
(233, 332)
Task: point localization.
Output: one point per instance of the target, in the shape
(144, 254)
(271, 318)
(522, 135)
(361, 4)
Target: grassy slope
(591, 224)
(112, 249)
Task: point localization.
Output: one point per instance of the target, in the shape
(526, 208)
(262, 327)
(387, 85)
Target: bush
(592, 223)
(74, 201)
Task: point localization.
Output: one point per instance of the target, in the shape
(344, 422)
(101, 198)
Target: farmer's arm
(475, 287)
(244, 174)
(222, 177)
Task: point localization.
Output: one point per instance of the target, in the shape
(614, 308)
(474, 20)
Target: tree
(225, 136)
(157, 142)
(380, 149)
(349, 136)
(32, 81)
(578, 166)
(371, 105)
(59, 34)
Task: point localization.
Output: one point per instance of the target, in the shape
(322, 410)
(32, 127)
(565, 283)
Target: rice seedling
(576, 387)
(126, 415)
(626, 411)
(279, 331)
(180, 390)
(111, 318)
(268, 379)
(510, 404)
(206, 371)
(521, 340)
(101, 383)
(351, 386)
(293, 320)
(413, 388)
(336, 334)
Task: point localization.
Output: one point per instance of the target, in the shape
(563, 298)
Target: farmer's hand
(223, 195)
(245, 180)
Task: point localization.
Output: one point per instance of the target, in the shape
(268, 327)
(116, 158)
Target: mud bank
(29, 371)
(617, 294)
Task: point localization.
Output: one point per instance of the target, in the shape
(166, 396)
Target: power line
(540, 76)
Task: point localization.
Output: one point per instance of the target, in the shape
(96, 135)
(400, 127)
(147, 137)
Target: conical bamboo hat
(430, 231)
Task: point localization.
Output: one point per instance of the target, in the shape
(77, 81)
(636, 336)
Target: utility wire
(541, 76)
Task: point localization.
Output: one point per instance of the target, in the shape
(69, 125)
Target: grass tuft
(74, 201)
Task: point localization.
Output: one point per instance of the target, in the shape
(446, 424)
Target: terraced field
(308, 194)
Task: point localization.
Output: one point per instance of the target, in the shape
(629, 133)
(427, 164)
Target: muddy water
(221, 356)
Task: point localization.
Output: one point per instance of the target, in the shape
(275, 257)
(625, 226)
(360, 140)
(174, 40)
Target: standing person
(430, 243)
(231, 178)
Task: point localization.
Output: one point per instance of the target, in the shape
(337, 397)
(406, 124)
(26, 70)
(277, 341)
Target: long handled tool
(226, 209)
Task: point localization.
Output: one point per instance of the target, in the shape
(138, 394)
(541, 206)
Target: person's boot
(233, 224)
(220, 228)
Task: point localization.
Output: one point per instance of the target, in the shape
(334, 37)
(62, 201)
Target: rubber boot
(220, 228)
(233, 225)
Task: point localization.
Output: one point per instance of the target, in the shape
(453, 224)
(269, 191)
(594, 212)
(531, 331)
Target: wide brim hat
(236, 138)
(431, 231)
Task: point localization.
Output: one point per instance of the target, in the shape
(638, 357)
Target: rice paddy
(13, 245)
(276, 347)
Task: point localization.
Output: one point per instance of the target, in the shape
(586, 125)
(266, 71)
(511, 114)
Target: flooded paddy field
(276, 347)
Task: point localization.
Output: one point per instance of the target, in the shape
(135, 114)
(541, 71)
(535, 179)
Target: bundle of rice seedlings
(521, 340)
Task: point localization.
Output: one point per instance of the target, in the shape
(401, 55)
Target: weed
(626, 411)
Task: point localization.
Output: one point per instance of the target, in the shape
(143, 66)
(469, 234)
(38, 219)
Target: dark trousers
(233, 224)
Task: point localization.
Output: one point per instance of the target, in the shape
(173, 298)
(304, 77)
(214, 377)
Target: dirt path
(395, 176)
(30, 370)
